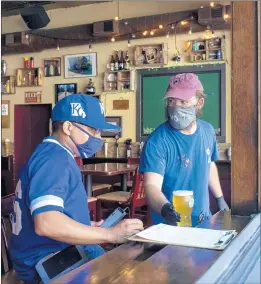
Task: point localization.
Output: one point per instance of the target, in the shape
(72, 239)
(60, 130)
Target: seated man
(50, 208)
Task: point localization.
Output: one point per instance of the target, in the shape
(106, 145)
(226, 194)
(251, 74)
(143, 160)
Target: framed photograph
(63, 90)
(116, 120)
(52, 67)
(80, 65)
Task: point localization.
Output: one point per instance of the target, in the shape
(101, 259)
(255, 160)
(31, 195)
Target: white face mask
(181, 117)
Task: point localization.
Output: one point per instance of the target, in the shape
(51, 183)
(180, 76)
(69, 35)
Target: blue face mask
(89, 148)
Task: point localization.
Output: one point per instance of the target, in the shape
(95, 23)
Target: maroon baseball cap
(183, 86)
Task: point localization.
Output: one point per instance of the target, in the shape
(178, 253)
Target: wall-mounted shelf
(212, 49)
(151, 55)
(8, 85)
(118, 81)
(29, 77)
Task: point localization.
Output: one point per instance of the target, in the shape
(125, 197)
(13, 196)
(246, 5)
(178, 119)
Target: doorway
(31, 125)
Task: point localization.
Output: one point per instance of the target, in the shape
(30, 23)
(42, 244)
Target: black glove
(221, 204)
(169, 214)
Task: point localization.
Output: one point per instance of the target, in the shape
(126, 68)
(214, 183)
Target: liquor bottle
(124, 63)
(36, 78)
(112, 63)
(116, 61)
(121, 62)
(127, 62)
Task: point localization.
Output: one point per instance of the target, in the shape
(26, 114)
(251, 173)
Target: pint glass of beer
(183, 202)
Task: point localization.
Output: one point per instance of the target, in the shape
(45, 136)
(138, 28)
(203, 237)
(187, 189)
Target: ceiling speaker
(35, 17)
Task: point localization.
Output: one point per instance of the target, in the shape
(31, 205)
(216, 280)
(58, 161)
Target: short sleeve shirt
(184, 162)
(49, 181)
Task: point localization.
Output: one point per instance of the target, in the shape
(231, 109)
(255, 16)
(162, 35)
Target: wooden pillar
(244, 109)
(259, 104)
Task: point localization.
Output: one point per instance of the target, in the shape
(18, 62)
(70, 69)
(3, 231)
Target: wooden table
(106, 169)
(103, 159)
(147, 263)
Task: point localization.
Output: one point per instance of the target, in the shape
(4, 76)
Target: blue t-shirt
(50, 180)
(184, 162)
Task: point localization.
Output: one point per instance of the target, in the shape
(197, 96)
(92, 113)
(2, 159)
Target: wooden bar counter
(147, 263)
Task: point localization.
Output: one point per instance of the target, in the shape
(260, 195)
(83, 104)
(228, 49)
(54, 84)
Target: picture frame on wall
(52, 67)
(80, 65)
(115, 120)
(64, 90)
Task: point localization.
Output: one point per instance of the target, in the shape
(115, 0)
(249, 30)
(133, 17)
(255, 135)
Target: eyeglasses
(94, 132)
(174, 101)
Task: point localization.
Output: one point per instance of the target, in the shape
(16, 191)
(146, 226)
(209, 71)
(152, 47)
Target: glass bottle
(117, 61)
(36, 78)
(121, 62)
(31, 62)
(127, 62)
(26, 62)
(112, 65)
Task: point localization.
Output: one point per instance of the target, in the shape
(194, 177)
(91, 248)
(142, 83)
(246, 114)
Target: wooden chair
(7, 177)
(100, 188)
(9, 276)
(131, 161)
(117, 185)
(134, 199)
(97, 188)
(92, 205)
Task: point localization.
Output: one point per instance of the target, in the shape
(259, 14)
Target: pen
(225, 239)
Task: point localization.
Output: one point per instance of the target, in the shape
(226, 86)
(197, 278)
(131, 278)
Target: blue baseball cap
(86, 110)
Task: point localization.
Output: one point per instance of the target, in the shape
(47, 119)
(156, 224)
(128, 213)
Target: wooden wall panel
(244, 111)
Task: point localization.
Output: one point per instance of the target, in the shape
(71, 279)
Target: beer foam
(182, 192)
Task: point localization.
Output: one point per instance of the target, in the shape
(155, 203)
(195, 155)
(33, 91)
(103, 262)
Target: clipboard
(185, 236)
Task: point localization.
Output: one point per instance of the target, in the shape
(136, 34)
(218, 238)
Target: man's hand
(221, 204)
(125, 229)
(96, 224)
(170, 215)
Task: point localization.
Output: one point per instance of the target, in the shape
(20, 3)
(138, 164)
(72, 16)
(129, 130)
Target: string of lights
(170, 28)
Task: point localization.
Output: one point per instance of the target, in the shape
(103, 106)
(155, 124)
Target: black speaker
(35, 17)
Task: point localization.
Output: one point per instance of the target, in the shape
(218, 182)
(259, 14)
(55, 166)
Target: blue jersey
(184, 162)
(50, 181)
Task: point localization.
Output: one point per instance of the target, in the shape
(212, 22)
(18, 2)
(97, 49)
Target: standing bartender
(180, 155)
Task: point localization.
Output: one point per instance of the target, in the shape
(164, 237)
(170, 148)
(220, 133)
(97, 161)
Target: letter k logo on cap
(77, 110)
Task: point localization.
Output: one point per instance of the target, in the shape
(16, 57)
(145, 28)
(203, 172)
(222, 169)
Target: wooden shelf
(120, 80)
(8, 85)
(26, 77)
(118, 71)
(201, 50)
(151, 55)
(212, 46)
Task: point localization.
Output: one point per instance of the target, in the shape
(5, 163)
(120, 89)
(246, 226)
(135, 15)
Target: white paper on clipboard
(186, 236)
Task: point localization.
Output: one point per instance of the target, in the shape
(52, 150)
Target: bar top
(148, 263)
